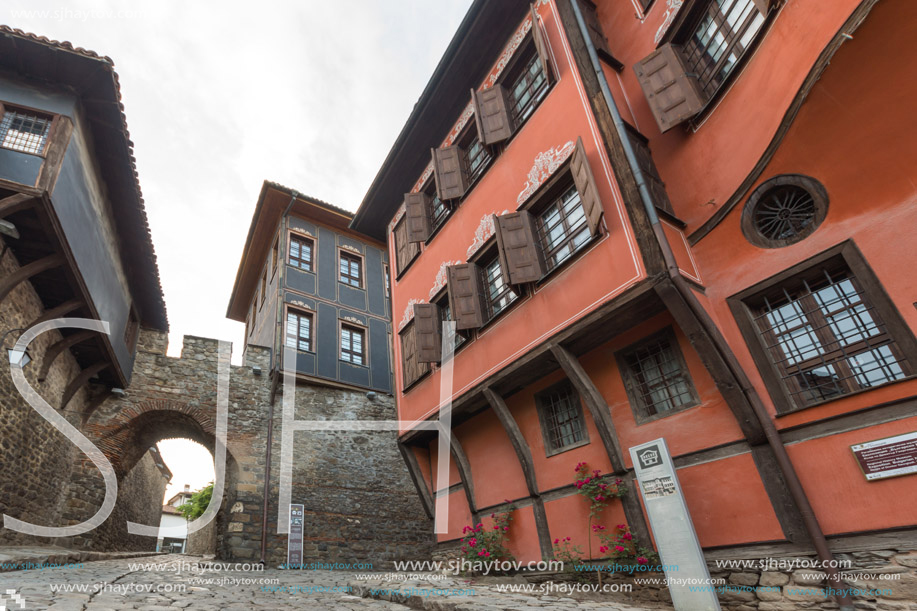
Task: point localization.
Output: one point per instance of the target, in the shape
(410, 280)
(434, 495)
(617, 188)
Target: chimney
(187, 488)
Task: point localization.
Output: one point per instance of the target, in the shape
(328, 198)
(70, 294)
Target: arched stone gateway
(360, 504)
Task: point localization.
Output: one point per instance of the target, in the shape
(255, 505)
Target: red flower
(596, 473)
(568, 539)
(628, 536)
(642, 560)
(603, 549)
(621, 526)
(556, 541)
(599, 497)
(487, 554)
(619, 548)
(505, 528)
(472, 542)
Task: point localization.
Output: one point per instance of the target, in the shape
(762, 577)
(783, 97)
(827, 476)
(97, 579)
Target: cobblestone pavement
(124, 584)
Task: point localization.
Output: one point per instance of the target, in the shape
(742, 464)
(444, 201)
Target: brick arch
(132, 430)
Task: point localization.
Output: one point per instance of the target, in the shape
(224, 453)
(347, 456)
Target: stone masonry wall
(35, 458)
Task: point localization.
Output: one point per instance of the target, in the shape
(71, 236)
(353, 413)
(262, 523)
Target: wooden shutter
(428, 334)
(520, 252)
(492, 115)
(599, 41)
(645, 160)
(451, 177)
(466, 295)
(418, 212)
(585, 184)
(541, 45)
(673, 94)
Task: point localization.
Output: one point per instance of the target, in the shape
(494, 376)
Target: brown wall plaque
(889, 457)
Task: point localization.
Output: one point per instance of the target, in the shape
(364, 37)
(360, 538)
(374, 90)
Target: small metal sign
(888, 457)
(294, 539)
(679, 549)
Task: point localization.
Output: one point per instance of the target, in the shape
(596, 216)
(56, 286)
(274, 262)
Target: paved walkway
(177, 582)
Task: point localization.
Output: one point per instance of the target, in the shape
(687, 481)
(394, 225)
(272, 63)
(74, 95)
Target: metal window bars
(528, 89)
(498, 294)
(24, 132)
(826, 339)
(562, 418)
(562, 228)
(725, 31)
(660, 381)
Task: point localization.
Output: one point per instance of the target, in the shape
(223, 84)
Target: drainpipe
(270, 409)
(770, 430)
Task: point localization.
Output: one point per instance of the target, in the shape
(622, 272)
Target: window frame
(441, 300)
(364, 342)
(683, 28)
(489, 253)
(541, 407)
(871, 292)
(429, 188)
(466, 137)
(52, 119)
(344, 253)
(521, 56)
(263, 286)
(635, 398)
(302, 239)
(302, 313)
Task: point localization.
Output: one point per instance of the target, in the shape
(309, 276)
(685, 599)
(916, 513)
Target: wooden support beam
(523, 452)
(27, 271)
(80, 380)
(718, 368)
(426, 495)
(61, 310)
(601, 415)
(595, 402)
(15, 203)
(788, 514)
(55, 349)
(464, 469)
(60, 138)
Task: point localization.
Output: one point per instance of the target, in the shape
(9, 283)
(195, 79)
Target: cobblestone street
(130, 584)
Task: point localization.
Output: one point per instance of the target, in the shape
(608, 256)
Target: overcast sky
(220, 96)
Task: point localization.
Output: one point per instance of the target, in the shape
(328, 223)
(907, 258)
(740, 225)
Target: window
(445, 313)
(784, 210)
(352, 344)
(561, 415)
(301, 253)
(24, 131)
(263, 285)
(562, 228)
(251, 319)
(388, 281)
(411, 368)
(498, 294)
(722, 35)
(299, 330)
(822, 333)
(405, 251)
(656, 377)
(475, 155)
(274, 257)
(351, 267)
(439, 210)
(705, 47)
(526, 83)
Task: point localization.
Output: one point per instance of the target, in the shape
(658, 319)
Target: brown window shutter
(428, 333)
(541, 45)
(585, 184)
(520, 252)
(599, 41)
(764, 6)
(672, 93)
(451, 177)
(492, 115)
(466, 295)
(418, 213)
(645, 160)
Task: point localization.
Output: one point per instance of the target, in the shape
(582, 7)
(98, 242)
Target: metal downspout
(770, 431)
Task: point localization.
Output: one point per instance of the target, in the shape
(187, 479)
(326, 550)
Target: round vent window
(784, 210)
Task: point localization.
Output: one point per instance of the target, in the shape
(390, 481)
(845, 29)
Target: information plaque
(294, 539)
(680, 552)
(889, 457)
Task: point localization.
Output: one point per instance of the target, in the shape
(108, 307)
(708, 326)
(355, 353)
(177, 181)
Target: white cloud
(220, 96)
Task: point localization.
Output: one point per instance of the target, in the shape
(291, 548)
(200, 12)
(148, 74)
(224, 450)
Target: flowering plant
(488, 543)
(571, 555)
(620, 547)
(598, 492)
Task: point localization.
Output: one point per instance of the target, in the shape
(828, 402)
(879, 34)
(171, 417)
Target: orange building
(672, 219)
